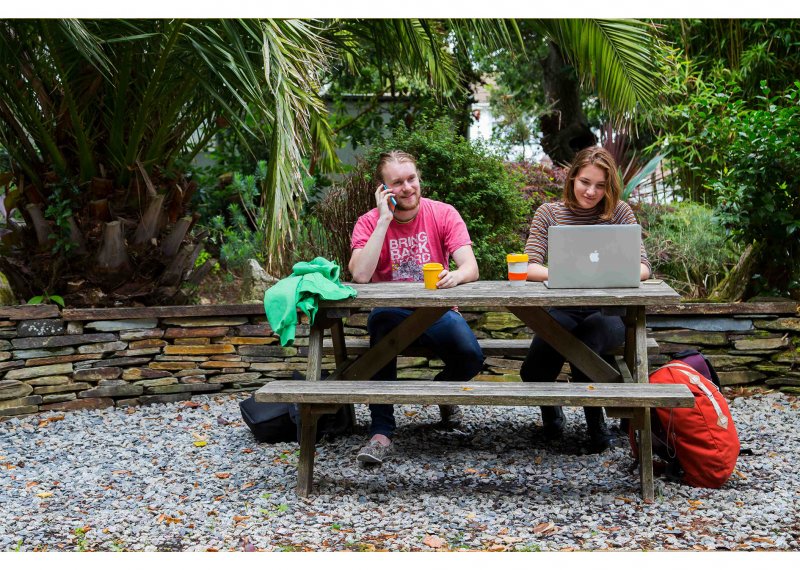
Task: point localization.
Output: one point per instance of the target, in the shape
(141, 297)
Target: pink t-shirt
(436, 232)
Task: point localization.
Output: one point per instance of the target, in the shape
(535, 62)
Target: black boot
(600, 438)
(553, 421)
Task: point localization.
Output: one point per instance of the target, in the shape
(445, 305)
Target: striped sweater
(557, 214)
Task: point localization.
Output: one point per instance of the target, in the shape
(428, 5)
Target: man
(391, 243)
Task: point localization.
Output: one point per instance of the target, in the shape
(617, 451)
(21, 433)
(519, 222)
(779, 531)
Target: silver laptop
(593, 257)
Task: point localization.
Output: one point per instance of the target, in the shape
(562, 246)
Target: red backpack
(698, 445)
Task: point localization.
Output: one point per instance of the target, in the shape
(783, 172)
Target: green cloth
(310, 282)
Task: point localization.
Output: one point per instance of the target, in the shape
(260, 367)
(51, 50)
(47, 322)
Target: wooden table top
(502, 294)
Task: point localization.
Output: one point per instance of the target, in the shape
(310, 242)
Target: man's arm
(467, 269)
(364, 261)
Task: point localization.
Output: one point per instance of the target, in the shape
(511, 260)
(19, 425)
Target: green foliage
(471, 178)
(538, 183)
(687, 246)
(758, 190)
(46, 299)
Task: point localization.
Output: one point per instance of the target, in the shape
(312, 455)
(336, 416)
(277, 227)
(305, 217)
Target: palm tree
(100, 117)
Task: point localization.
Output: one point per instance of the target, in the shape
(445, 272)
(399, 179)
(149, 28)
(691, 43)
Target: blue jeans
(450, 338)
(599, 332)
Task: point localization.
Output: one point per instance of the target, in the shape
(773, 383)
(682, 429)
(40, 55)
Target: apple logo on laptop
(594, 257)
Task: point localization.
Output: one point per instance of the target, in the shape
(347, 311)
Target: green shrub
(474, 180)
(687, 246)
(758, 191)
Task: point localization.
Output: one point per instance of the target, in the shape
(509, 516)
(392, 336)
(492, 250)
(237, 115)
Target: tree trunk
(735, 284)
(40, 225)
(149, 226)
(113, 258)
(565, 129)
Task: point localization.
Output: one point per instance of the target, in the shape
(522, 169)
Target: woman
(591, 196)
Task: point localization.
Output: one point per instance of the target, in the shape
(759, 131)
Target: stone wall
(94, 358)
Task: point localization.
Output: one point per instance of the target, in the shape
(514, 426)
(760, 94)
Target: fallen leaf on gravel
(121, 472)
(30, 484)
(739, 474)
(470, 470)
(497, 548)
(538, 460)
(247, 450)
(222, 475)
(191, 404)
(433, 541)
(470, 516)
(695, 503)
(411, 414)
(543, 528)
(760, 539)
(212, 550)
(199, 443)
(248, 485)
(44, 495)
(512, 539)
(239, 519)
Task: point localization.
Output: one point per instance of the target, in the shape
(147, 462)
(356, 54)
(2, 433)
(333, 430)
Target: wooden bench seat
(495, 347)
(321, 397)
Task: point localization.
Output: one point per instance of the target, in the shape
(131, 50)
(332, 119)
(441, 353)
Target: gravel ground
(190, 477)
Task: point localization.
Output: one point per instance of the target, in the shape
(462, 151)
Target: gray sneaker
(451, 415)
(374, 453)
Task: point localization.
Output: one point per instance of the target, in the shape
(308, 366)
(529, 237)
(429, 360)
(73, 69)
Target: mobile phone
(391, 200)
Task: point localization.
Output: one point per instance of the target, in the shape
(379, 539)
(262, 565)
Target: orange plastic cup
(517, 268)
(430, 274)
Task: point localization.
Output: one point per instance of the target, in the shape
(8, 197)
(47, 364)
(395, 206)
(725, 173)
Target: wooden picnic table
(528, 301)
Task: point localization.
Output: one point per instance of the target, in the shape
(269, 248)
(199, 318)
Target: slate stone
(144, 374)
(128, 402)
(761, 343)
(785, 324)
(501, 363)
(63, 340)
(699, 323)
(49, 381)
(202, 387)
(735, 377)
(141, 334)
(250, 340)
(254, 330)
(194, 372)
(44, 353)
(53, 398)
(692, 337)
(36, 371)
(199, 322)
(272, 366)
(11, 364)
(267, 351)
(41, 327)
(97, 374)
(791, 356)
(183, 358)
(261, 359)
(211, 332)
(164, 398)
(769, 368)
(4, 356)
(135, 361)
(138, 352)
(80, 404)
(151, 382)
(20, 397)
(18, 411)
(74, 387)
(199, 349)
(228, 378)
(224, 364)
(122, 325)
(497, 378)
(174, 365)
(75, 327)
(192, 340)
(147, 343)
(76, 358)
(416, 374)
(112, 391)
(723, 361)
(103, 347)
(11, 389)
(197, 379)
(783, 381)
(172, 389)
(496, 321)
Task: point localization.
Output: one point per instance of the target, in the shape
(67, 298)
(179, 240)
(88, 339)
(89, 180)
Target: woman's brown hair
(601, 158)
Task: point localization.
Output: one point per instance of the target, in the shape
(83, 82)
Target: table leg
(308, 440)
(315, 336)
(646, 458)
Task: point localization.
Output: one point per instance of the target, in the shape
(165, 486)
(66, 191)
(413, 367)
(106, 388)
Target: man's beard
(404, 208)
